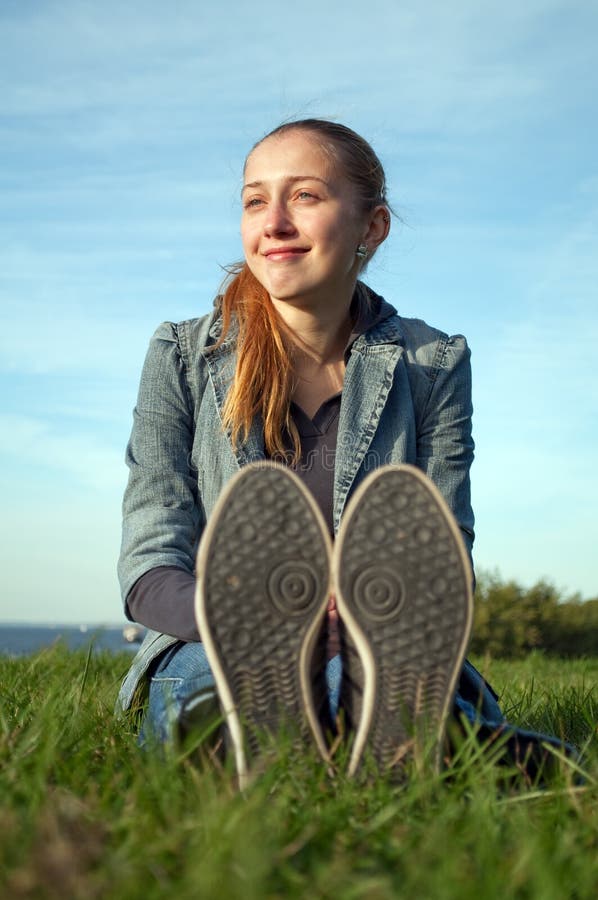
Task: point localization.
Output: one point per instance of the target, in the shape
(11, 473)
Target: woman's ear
(378, 227)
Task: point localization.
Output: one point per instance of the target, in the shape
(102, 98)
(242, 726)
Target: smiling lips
(280, 254)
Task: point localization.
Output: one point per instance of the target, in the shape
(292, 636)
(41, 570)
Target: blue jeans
(182, 682)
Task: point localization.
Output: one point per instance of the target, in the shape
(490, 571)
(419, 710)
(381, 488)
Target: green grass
(83, 813)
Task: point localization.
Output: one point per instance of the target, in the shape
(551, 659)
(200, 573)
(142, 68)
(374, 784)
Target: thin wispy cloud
(34, 442)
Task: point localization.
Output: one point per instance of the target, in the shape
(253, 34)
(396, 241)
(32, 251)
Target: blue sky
(123, 129)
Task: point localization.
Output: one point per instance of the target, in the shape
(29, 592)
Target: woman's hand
(334, 641)
(332, 611)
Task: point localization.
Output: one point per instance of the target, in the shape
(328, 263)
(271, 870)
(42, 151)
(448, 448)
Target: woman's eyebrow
(257, 184)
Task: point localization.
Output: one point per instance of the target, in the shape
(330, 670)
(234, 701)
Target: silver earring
(362, 251)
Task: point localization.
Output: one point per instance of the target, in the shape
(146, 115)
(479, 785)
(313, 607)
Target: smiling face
(301, 222)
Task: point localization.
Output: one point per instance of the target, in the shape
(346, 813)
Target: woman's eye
(305, 195)
(253, 202)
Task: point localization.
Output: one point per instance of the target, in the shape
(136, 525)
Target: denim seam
(435, 368)
(181, 336)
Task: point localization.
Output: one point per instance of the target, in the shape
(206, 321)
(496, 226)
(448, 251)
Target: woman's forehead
(294, 152)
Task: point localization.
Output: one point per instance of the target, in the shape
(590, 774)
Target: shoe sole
(263, 581)
(403, 591)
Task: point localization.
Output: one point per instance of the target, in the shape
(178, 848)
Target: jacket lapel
(368, 381)
(221, 363)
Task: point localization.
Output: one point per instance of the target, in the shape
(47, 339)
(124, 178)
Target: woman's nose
(278, 220)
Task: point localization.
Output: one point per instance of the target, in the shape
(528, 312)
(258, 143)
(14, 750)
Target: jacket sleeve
(162, 515)
(444, 440)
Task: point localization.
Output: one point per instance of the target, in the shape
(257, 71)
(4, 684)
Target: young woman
(315, 446)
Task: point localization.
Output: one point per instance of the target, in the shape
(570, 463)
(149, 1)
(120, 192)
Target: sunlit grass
(84, 813)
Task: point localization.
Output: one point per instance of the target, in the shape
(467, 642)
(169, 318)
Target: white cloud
(128, 65)
(80, 459)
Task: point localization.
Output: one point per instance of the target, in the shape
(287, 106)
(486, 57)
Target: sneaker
(263, 581)
(403, 591)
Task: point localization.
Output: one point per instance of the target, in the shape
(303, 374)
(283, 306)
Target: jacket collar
(377, 322)
(377, 327)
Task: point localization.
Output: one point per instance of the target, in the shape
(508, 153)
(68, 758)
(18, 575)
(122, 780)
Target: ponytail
(264, 375)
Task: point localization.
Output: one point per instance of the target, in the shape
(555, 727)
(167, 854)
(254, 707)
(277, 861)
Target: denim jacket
(406, 398)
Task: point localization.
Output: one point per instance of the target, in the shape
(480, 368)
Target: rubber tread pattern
(404, 580)
(265, 581)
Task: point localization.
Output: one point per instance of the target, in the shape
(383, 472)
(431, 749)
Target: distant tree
(573, 631)
(510, 620)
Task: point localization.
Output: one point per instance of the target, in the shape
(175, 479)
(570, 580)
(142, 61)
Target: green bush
(511, 621)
